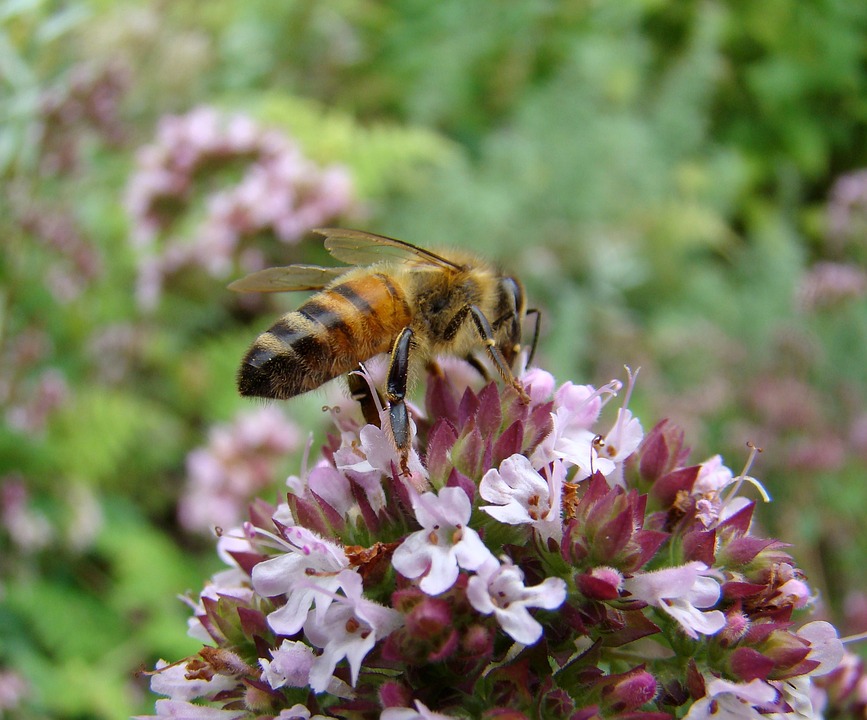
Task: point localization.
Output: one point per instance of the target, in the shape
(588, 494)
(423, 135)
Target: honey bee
(392, 297)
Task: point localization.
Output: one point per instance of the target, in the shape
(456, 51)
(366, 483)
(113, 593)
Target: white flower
(714, 477)
(798, 694)
(727, 700)
(680, 592)
(372, 457)
(624, 437)
(289, 665)
(825, 646)
(444, 543)
(349, 628)
(572, 444)
(171, 680)
(187, 711)
(521, 495)
(309, 566)
(232, 582)
(326, 483)
(299, 712)
(500, 589)
(539, 385)
(578, 406)
(421, 712)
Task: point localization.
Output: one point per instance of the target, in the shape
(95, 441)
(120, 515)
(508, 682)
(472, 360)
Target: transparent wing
(288, 278)
(357, 247)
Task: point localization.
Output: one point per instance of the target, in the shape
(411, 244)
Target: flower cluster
(280, 192)
(238, 462)
(830, 284)
(30, 390)
(89, 98)
(74, 261)
(534, 561)
(847, 209)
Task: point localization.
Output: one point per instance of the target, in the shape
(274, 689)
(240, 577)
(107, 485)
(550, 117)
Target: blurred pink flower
(282, 192)
(238, 462)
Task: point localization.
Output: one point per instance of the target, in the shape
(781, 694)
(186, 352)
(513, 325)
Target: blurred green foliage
(656, 170)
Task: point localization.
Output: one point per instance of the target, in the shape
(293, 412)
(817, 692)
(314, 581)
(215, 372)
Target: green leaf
(101, 431)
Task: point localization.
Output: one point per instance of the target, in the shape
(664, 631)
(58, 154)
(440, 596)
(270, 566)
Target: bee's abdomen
(327, 336)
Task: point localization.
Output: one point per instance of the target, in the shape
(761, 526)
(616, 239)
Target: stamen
(364, 373)
(630, 384)
(739, 480)
(854, 638)
(306, 457)
(610, 389)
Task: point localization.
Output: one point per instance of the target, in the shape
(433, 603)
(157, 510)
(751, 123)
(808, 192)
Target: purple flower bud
(428, 619)
(788, 653)
(660, 452)
(601, 583)
(394, 694)
(737, 624)
(747, 664)
(477, 641)
(631, 691)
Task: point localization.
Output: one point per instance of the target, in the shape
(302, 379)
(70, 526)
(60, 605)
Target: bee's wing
(357, 247)
(288, 278)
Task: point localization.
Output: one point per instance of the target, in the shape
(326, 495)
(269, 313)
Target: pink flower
(171, 680)
(350, 628)
(826, 648)
(282, 193)
(306, 573)
(238, 461)
(187, 711)
(421, 712)
(727, 700)
(521, 495)
(289, 665)
(375, 456)
(299, 712)
(681, 592)
(500, 589)
(444, 543)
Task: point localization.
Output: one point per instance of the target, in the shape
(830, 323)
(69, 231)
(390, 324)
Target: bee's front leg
(395, 392)
(483, 327)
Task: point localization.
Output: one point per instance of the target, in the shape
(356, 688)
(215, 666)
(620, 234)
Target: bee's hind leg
(395, 392)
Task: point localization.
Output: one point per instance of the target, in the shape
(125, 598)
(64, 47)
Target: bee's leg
(533, 311)
(510, 316)
(361, 391)
(478, 366)
(483, 326)
(395, 392)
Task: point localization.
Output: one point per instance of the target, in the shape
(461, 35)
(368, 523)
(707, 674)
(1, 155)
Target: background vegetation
(677, 183)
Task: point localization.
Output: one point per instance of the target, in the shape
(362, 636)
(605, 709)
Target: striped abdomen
(327, 336)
